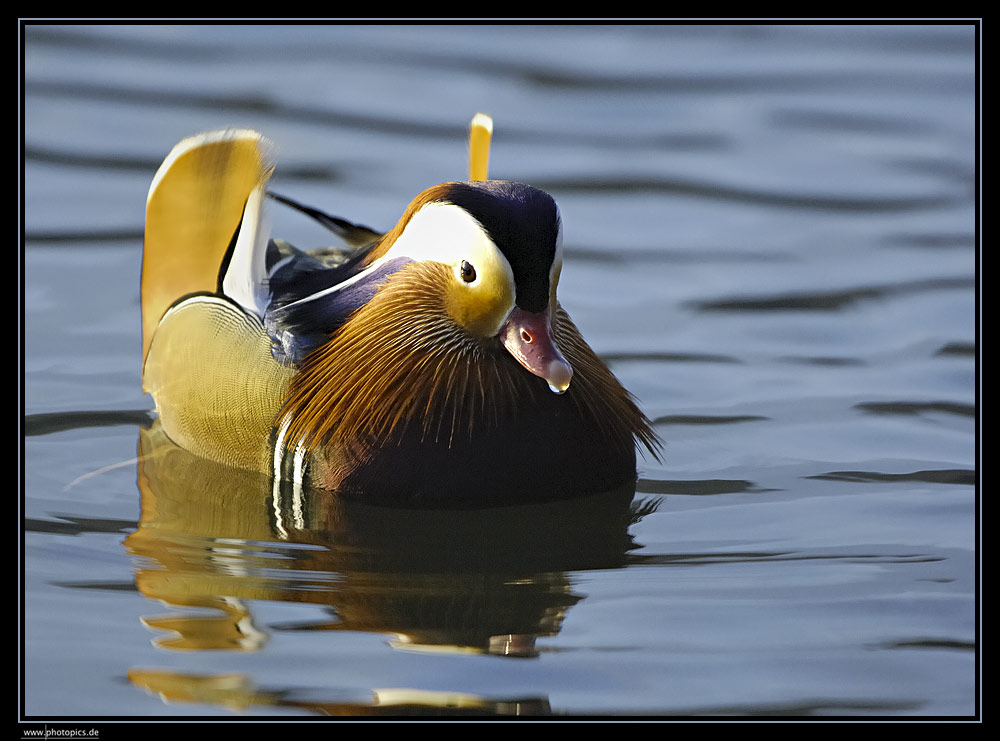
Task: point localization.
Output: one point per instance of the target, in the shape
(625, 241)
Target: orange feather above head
(431, 365)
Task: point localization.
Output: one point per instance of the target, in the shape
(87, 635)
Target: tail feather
(355, 235)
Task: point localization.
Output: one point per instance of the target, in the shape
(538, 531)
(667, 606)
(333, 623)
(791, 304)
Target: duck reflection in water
(457, 580)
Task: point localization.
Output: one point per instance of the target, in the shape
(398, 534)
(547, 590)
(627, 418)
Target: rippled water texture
(771, 238)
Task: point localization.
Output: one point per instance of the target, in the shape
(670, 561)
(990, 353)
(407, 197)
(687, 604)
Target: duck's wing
(312, 293)
(309, 304)
(193, 240)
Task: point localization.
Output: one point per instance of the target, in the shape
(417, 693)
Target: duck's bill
(528, 337)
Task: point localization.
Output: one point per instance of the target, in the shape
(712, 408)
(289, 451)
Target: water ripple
(917, 407)
(395, 125)
(693, 419)
(946, 476)
(962, 349)
(696, 488)
(48, 422)
(635, 183)
(830, 300)
(121, 163)
(69, 525)
(666, 357)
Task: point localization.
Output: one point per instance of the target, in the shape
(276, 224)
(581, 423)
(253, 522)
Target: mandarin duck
(428, 365)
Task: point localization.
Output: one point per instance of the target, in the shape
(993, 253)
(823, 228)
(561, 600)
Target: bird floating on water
(430, 364)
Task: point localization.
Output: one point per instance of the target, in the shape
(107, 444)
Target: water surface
(771, 239)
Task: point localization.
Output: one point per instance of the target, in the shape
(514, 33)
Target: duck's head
(501, 243)
(450, 324)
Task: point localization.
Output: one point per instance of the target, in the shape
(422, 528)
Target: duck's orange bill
(528, 337)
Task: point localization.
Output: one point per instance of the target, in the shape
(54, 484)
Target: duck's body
(432, 365)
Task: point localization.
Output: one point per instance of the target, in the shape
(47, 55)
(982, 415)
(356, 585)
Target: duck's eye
(467, 272)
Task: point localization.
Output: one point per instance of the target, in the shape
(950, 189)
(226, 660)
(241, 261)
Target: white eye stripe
(438, 232)
(444, 232)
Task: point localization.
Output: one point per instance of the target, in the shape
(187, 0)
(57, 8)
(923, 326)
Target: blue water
(771, 237)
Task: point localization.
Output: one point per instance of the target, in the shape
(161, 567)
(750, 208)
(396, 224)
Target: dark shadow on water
(961, 476)
(718, 191)
(819, 708)
(823, 361)
(705, 487)
(917, 407)
(667, 357)
(960, 349)
(740, 557)
(69, 525)
(47, 423)
(829, 300)
(707, 419)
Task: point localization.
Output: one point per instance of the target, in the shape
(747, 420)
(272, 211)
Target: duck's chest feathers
(397, 405)
(538, 446)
